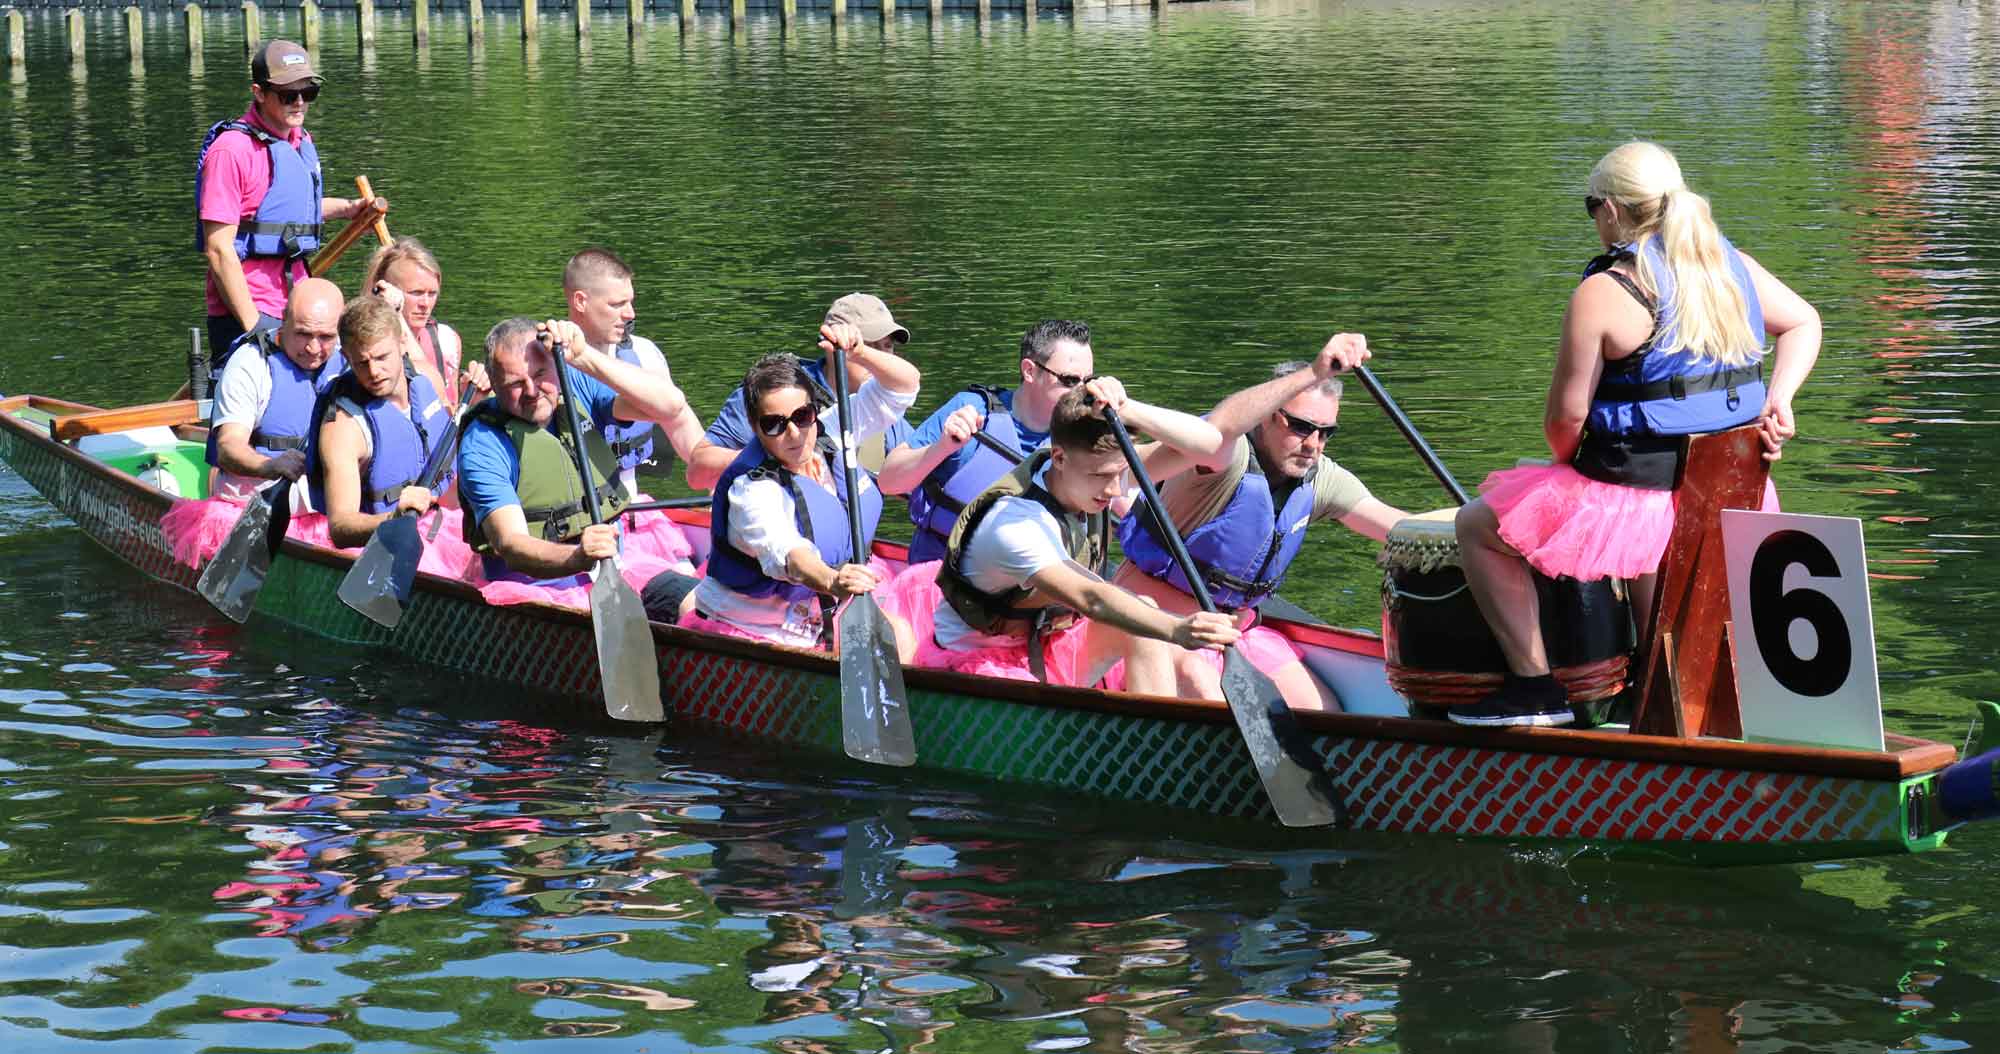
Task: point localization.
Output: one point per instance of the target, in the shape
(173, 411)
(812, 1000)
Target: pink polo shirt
(235, 177)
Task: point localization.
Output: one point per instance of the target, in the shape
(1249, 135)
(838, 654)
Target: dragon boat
(1608, 790)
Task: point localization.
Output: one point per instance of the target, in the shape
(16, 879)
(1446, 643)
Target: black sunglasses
(773, 425)
(1302, 428)
(1591, 203)
(1067, 380)
(289, 96)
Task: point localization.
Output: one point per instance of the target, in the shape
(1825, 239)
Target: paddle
(693, 501)
(1409, 431)
(626, 662)
(1294, 777)
(874, 710)
(332, 251)
(236, 572)
(379, 583)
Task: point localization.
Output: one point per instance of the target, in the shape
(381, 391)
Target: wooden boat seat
(69, 428)
(1686, 674)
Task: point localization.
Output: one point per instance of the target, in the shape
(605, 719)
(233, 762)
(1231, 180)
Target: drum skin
(1439, 650)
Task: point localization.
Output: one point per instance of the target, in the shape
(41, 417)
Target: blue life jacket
(287, 422)
(402, 440)
(288, 220)
(936, 503)
(632, 443)
(1648, 399)
(822, 517)
(1243, 553)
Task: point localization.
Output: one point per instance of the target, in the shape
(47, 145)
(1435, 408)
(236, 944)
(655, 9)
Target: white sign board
(1805, 638)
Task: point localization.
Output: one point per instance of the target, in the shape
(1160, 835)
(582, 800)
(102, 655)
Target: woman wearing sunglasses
(1665, 337)
(781, 553)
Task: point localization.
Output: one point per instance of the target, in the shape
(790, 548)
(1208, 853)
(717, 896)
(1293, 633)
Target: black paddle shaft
(1146, 489)
(576, 435)
(847, 469)
(1403, 425)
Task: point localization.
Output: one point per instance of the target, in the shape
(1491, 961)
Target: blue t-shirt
(932, 430)
(489, 468)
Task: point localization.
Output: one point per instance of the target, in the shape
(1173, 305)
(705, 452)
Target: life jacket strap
(261, 438)
(1679, 386)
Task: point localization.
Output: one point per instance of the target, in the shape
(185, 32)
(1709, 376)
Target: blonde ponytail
(1710, 314)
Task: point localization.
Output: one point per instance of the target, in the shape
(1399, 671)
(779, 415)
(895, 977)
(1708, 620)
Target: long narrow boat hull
(1708, 802)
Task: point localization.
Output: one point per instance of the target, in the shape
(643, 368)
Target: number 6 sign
(1805, 638)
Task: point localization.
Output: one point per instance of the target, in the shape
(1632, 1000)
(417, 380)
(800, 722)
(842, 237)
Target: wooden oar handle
(381, 225)
(324, 260)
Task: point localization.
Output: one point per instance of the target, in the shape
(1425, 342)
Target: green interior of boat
(185, 460)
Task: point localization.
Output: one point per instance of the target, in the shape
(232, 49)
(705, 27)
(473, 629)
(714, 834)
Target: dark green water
(223, 839)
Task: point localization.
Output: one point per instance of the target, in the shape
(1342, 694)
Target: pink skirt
(1266, 648)
(195, 531)
(914, 597)
(653, 543)
(1565, 523)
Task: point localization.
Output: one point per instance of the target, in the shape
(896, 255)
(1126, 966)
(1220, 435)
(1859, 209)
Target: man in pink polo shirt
(260, 200)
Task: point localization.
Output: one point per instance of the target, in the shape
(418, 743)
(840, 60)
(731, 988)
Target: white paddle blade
(1301, 795)
(231, 580)
(370, 585)
(874, 708)
(626, 661)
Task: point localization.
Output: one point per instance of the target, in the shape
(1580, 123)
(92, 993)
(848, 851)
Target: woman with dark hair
(1664, 338)
(781, 555)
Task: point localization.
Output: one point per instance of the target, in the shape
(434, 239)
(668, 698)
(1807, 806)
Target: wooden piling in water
(985, 11)
(531, 20)
(580, 10)
(73, 24)
(839, 11)
(309, 25)
(253, 27)
(1028, 11)
(191, 15)
(888, 10)
(737, 13)
(135, 34)
(788, 15)
(364, 15)
(420, 19)
(17, 38)
(937, 11)
(687, 16)
(635, 16)
(475, 21)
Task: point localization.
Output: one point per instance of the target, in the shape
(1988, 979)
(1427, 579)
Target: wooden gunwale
(1908, 756)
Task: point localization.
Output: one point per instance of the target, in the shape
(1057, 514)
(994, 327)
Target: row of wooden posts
(635, 15)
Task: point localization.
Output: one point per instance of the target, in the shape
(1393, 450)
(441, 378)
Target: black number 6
(1773, 607)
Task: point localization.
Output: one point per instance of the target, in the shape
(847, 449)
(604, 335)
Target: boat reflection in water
(578, 885)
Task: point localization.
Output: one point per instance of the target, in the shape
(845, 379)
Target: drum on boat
(1439, 650)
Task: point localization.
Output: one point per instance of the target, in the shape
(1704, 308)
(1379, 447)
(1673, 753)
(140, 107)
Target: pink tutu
(1565, 523)
(653, 543)
(195, 530)
(654, 535)
(914, 597)
(1266, 648)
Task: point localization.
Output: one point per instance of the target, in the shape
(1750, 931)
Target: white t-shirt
(654, 360)
(1017, 540)
(241, 395)
(763, 522)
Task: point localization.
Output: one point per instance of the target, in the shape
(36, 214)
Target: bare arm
(1579, 362)
(1373, 518)
(1239, 413)
(238, 457)
(643, 394)
(218, 241)
(706, 463)
(904, 468)
(506, 529)
(1075, 587)
(1796, 325)
(890, 370)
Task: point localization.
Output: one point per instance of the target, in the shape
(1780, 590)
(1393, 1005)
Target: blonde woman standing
(1664, 337)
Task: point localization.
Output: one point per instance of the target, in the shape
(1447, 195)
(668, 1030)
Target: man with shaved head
(264, 399)
(597, 287)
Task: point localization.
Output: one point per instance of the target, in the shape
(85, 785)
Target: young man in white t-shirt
(1022, 549)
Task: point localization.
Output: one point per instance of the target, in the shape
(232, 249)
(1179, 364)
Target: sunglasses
(1302, 428)
(773, 425)
(1591, 203)
(1067, 380)
(289, 96)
